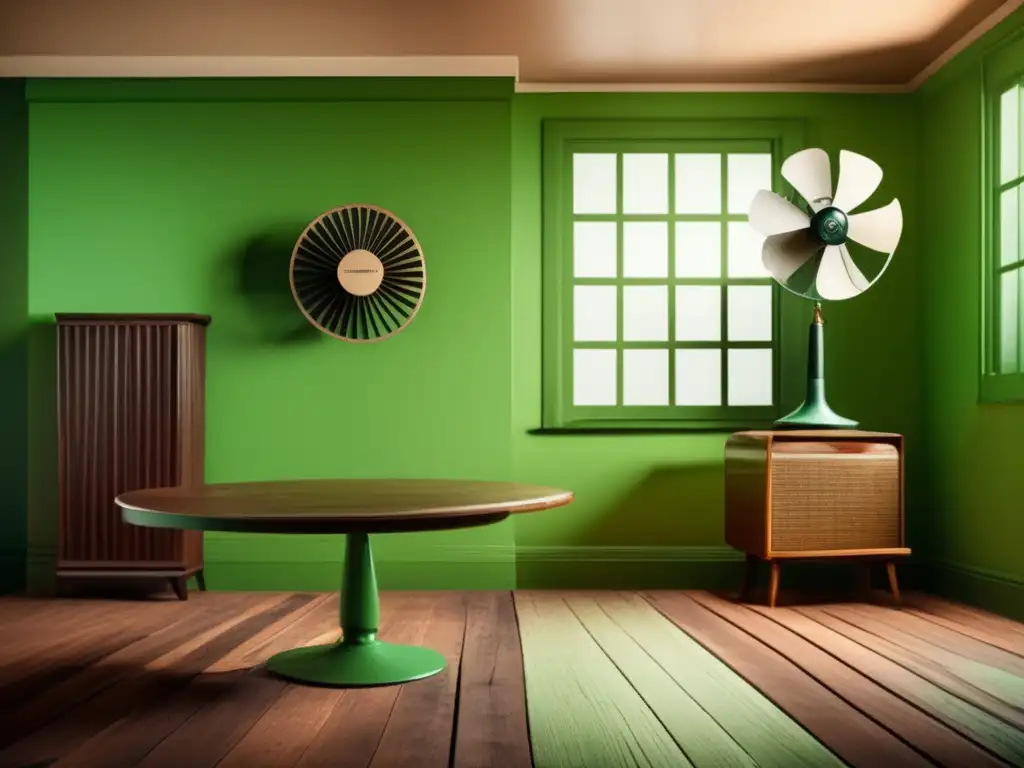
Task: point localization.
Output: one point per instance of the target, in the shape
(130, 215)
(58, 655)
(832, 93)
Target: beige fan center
(360, 272)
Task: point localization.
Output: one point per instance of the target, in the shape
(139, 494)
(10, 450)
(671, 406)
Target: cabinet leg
(894, 587)
(749, 578)
(201, 580)
(773, 583)
(180, 586)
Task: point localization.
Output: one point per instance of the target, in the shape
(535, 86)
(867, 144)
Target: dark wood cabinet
(131, 396)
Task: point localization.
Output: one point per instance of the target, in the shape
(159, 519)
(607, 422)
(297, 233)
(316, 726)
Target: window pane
(594, 184)
(645, 377)
(645, 313)
(698, 183)
(1009, 135)
(645, 249)
(698, 377)
(594, 313)
(594, 377)
(594, 249)
(698, 249)
(1009, 293)
(749, 375)
(1009, 227)
(645, 183)
(746, 174)
(749, 312)
(698, 313)
(744, 251)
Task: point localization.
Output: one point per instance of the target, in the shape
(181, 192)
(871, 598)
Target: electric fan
(357, 273)
(806, 250)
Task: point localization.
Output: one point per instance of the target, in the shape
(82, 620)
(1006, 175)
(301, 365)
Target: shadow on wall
(257, 272)
(43, 498)
(666, 531)
(14, 461)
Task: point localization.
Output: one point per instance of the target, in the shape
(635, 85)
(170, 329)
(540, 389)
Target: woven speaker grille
(830, 496)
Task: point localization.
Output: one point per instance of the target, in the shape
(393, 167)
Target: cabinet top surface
(107, 318)
(827, 434)
(339, 506)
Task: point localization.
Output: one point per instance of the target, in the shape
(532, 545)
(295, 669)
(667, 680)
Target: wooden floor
(549, 679)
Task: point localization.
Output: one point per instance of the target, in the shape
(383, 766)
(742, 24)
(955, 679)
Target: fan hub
(360, 272)
(830, 226)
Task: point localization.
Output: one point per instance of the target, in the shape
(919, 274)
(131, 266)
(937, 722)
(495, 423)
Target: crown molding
(436, 67)
(257, 66)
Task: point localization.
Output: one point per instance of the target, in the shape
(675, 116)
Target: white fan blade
(879, 229)
(856, 276)
(783, 254)
(811, 175)
(771, 214)
(859, 177)
(833, 280)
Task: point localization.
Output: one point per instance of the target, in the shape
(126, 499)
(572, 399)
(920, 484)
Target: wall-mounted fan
(806, 250)
(357, 273)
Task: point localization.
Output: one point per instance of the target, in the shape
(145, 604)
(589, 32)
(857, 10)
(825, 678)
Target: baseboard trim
(991, 590)
(12, 570)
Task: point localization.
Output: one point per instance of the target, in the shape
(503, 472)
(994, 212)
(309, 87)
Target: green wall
(973, 454)
(187, 197)
(13, 332)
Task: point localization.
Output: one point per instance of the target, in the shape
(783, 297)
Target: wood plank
(582, 711)
(994, 689)
(927, 735)
(865, 652)
(126, 663)
(491, 726)
(946, 642)
(851, 735)
(153, 723)
(1008, 631)
(350, 736)
(978, 631)
(636, 653)
(419, 731)
(155, 680)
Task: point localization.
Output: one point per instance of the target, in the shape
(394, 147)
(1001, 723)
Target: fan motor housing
(830, 226)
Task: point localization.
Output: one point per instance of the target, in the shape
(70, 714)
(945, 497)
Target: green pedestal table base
(359, 658)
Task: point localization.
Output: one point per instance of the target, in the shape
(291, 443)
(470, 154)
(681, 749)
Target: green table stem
(358, 658)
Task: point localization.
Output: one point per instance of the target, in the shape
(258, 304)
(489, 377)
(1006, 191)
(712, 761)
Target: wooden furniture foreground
(131, 394)
(356, 508)
(814, 494)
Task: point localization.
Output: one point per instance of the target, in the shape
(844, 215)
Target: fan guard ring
(358, 274)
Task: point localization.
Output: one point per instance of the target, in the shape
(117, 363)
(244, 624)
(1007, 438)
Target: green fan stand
(814, 412)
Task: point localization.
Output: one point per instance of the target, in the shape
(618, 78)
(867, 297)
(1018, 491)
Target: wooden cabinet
(811, 494)
(131, 394)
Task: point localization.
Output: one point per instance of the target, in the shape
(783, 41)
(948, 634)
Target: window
(1003, 284)
(658, 311)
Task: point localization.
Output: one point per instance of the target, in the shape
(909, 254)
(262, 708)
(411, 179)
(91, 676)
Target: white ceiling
(867, 42)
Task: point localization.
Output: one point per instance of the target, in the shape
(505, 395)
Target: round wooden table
(355, 508)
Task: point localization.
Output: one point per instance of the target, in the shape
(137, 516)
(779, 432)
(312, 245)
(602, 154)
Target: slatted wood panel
(590, 678)
(131, 411)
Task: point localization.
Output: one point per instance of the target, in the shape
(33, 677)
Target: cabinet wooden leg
(201, 580)
(180, 586)
(773, 584)
(894, 587)
(749, 578)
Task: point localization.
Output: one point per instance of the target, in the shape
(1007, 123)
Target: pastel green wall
(187, 197)
(973, 454)
(13, 332)
(646, 505)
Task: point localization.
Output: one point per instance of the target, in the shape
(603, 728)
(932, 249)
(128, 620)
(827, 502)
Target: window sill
(653, 429)
(1007, 388)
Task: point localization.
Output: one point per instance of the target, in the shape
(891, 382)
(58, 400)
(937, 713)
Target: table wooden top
(336, 506)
